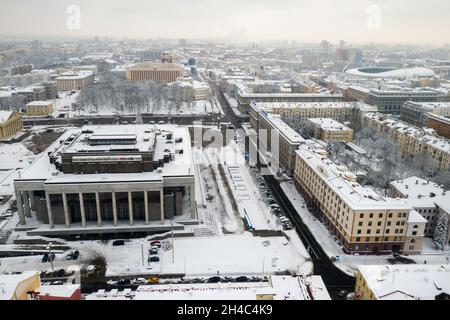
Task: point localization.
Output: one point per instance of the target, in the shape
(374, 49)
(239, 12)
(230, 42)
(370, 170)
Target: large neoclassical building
(110, 179)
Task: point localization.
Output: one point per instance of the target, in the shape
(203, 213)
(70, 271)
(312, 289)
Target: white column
(193, 203)
(31, 197)
(83, 213)
(161, 203)
(114, 205)
(66, 210)
(26, 204)
(130, 207)
(20, 208)
(49, 211)
(99, 210)
(146, 206)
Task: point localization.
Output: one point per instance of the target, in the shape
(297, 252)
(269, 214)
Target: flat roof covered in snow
(406, 282)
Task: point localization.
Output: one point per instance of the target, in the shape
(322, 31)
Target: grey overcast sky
(398, 21)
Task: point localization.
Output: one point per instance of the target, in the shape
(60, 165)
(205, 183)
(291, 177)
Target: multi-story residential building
(188, 91)
(286, 142)
(416, 113)
(39, 108)
(24, 80)
(429, 199)
(328, 129)
(411, 140)
(10, 123)
(357, 93)
(22, 69)
(440, 124)
(361, 220)
(71, 80)
(110, 179)
(403, 282)
(154, 71)
(244, 98)
(391, 101)
(51, 89)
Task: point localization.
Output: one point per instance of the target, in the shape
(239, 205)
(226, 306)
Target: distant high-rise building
(325, 47)
(37, 46)
(154, 71)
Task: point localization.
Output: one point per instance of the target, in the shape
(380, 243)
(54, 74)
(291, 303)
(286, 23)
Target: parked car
(69, 256)
(45, 257)
(124, 282)
(51, 257)
(153, 280)
(152, 252)
(153, 259)
(156, 243)
(75, 254)
(214, 279)
(242, 279)
(139, 281)
(118, 243)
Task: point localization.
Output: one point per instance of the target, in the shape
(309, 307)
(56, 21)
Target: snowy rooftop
(415, 217)
(415, 187)
(407, 282)
(40, 103)
(63, 291)
(71, 75)
(420, 134)
(344, 182)
(4, 115)
(306, 105)
(280, 287)
(329, 124)
(283, 128)
(182, 165)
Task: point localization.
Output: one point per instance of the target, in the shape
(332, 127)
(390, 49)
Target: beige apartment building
(286, 142)
(39, 108)
(154, 71)
(10, 123)
(72, 80)
(327, 129)
(361, 220)
(411, 140)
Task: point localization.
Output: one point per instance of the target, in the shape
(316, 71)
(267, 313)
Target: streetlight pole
(142, 252)
(173, 245)
(49, 247)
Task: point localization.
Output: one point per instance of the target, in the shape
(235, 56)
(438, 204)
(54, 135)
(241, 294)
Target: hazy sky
(413, 21)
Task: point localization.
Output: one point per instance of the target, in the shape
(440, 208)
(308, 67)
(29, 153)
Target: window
(371, 215)
(370, 223)
(414, 233)
(413, 241)
(379, 223)
(361, 215)
(358, 239)
(388, 230)
(359, 231)
(380, 215)
(378, 231)
(360, 224)
(388, 223)
(411, 247)
(390, 215)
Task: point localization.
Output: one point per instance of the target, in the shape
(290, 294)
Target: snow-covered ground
(13, 158)
(348, 263)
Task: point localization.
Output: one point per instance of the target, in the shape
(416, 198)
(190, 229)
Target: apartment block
(327, 129)
(361, 220)
(411, 140)
(39, 108)
(74, 81)
(154, 71)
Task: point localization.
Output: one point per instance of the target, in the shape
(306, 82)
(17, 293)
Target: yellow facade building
(10, 123)
(39, 108)
(19, 286)
(362, 221)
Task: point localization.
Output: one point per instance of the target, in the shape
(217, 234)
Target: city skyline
(381, 21)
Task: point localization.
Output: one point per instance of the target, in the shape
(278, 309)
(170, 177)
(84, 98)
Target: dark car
(197, 280)
(214, 279)
(75, 254)
(242, 279)
(45, 257)
(151, 251)
(60, 273)
(124, 282)
(153, 259)
(51, 257)
(118, 243)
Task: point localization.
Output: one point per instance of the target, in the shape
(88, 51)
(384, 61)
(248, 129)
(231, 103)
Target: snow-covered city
(190, 163)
